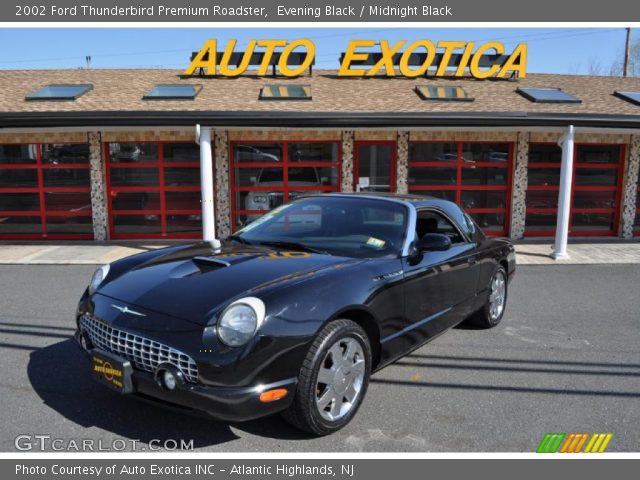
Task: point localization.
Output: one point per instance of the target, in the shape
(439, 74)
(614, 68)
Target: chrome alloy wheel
(497, 295)
(340, 379)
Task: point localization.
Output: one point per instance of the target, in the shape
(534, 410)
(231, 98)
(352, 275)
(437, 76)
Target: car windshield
(344, 226)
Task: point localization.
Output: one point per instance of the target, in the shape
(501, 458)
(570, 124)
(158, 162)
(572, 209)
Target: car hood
(193, 283)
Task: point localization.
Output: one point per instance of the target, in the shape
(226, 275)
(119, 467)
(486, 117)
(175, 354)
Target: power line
(533, 37)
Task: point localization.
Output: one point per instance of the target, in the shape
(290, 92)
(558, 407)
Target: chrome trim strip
(411, 227)
(415, 325)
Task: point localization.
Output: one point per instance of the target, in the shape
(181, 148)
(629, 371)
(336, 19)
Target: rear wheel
(493, 310)
(333, 379)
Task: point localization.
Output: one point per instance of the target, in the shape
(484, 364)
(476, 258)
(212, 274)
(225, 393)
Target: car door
(439, 286)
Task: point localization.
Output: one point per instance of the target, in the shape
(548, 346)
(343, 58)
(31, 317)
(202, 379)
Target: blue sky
(559, 50)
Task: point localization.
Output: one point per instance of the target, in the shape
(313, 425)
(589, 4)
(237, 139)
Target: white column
(564, 197)
(203, 135)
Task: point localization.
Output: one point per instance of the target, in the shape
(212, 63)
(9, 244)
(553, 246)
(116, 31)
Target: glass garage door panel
(433, 152)
(541, 221)
(444, 194)
(23, 225)
(542, 199)
(19, 202)
(483, 199)
(596, 185)
(375, 162)
(432, 176)
(154, 190)
(45, 191)
(12, 154)
(19, 178)
(636, 223)
(476, 175)
(266, 175)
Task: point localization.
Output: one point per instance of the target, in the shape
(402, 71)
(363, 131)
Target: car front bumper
(228, 404)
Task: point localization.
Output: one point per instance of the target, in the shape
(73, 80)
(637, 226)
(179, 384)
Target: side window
(432, 222)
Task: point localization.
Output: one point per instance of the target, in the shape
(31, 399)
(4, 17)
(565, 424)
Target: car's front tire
(493, 310)
(333, 379)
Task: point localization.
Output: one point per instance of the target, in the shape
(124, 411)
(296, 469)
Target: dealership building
(117, 154)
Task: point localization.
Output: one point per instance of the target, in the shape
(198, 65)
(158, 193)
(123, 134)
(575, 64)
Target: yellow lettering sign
(206, 59)
(467, 58)
(390, 58)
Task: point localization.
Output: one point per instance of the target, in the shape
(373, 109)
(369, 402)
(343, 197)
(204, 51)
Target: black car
(293, 312)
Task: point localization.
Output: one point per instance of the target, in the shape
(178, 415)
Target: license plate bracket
(112, 371)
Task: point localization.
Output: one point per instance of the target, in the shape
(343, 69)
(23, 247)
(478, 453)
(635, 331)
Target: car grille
(143, 353)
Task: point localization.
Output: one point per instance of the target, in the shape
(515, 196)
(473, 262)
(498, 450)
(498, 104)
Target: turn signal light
(273, 395)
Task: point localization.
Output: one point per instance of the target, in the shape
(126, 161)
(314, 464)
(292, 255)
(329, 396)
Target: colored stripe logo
(574, 442)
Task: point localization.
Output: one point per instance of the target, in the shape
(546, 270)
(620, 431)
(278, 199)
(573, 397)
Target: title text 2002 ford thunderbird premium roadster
(296, 310)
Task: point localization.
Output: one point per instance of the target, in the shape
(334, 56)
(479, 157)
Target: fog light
(169, 377)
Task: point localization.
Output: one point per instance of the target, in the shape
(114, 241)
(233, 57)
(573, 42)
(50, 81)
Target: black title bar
(316, 11)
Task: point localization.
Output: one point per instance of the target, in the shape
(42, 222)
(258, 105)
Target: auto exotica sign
(364, 58)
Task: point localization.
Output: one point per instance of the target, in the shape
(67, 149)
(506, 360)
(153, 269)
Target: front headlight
(98, 277)
(240, 321)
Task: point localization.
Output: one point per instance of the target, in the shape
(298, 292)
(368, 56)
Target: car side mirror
(253, 180)
(433, 242)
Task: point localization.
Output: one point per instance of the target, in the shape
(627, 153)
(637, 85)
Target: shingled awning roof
(117, 99)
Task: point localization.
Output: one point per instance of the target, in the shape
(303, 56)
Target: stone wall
(462, 136)
(44, 137)
(222, 193)
(187, 135)
(347, 161)
(519, 187)
(630, 188)
(375, 136)
(553, 137)
(98, 187)
(283, 135)
(402, 159)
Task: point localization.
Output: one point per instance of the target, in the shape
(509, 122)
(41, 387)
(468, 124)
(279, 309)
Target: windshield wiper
(239, 239)
(295, 246)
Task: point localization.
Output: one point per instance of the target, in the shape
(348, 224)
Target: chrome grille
(143, 353)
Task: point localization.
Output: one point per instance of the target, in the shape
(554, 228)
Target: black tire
(303, 412)
(483, 318)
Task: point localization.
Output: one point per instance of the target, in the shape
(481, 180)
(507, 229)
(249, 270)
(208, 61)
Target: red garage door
(636, 223)
(154, 190)
(596, 187)
(45, 191)
(264, 175)
(477, 176)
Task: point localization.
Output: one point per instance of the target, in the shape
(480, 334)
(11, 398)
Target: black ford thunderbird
(293, 312)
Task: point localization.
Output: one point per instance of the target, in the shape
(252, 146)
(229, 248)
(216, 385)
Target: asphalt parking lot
(566, 358)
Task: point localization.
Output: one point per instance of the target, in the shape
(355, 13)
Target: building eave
(313, 119)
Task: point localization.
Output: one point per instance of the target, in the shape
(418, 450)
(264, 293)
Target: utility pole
(627, 48)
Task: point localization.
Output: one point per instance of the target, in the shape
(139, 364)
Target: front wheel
(493, 310)
(333, 379)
